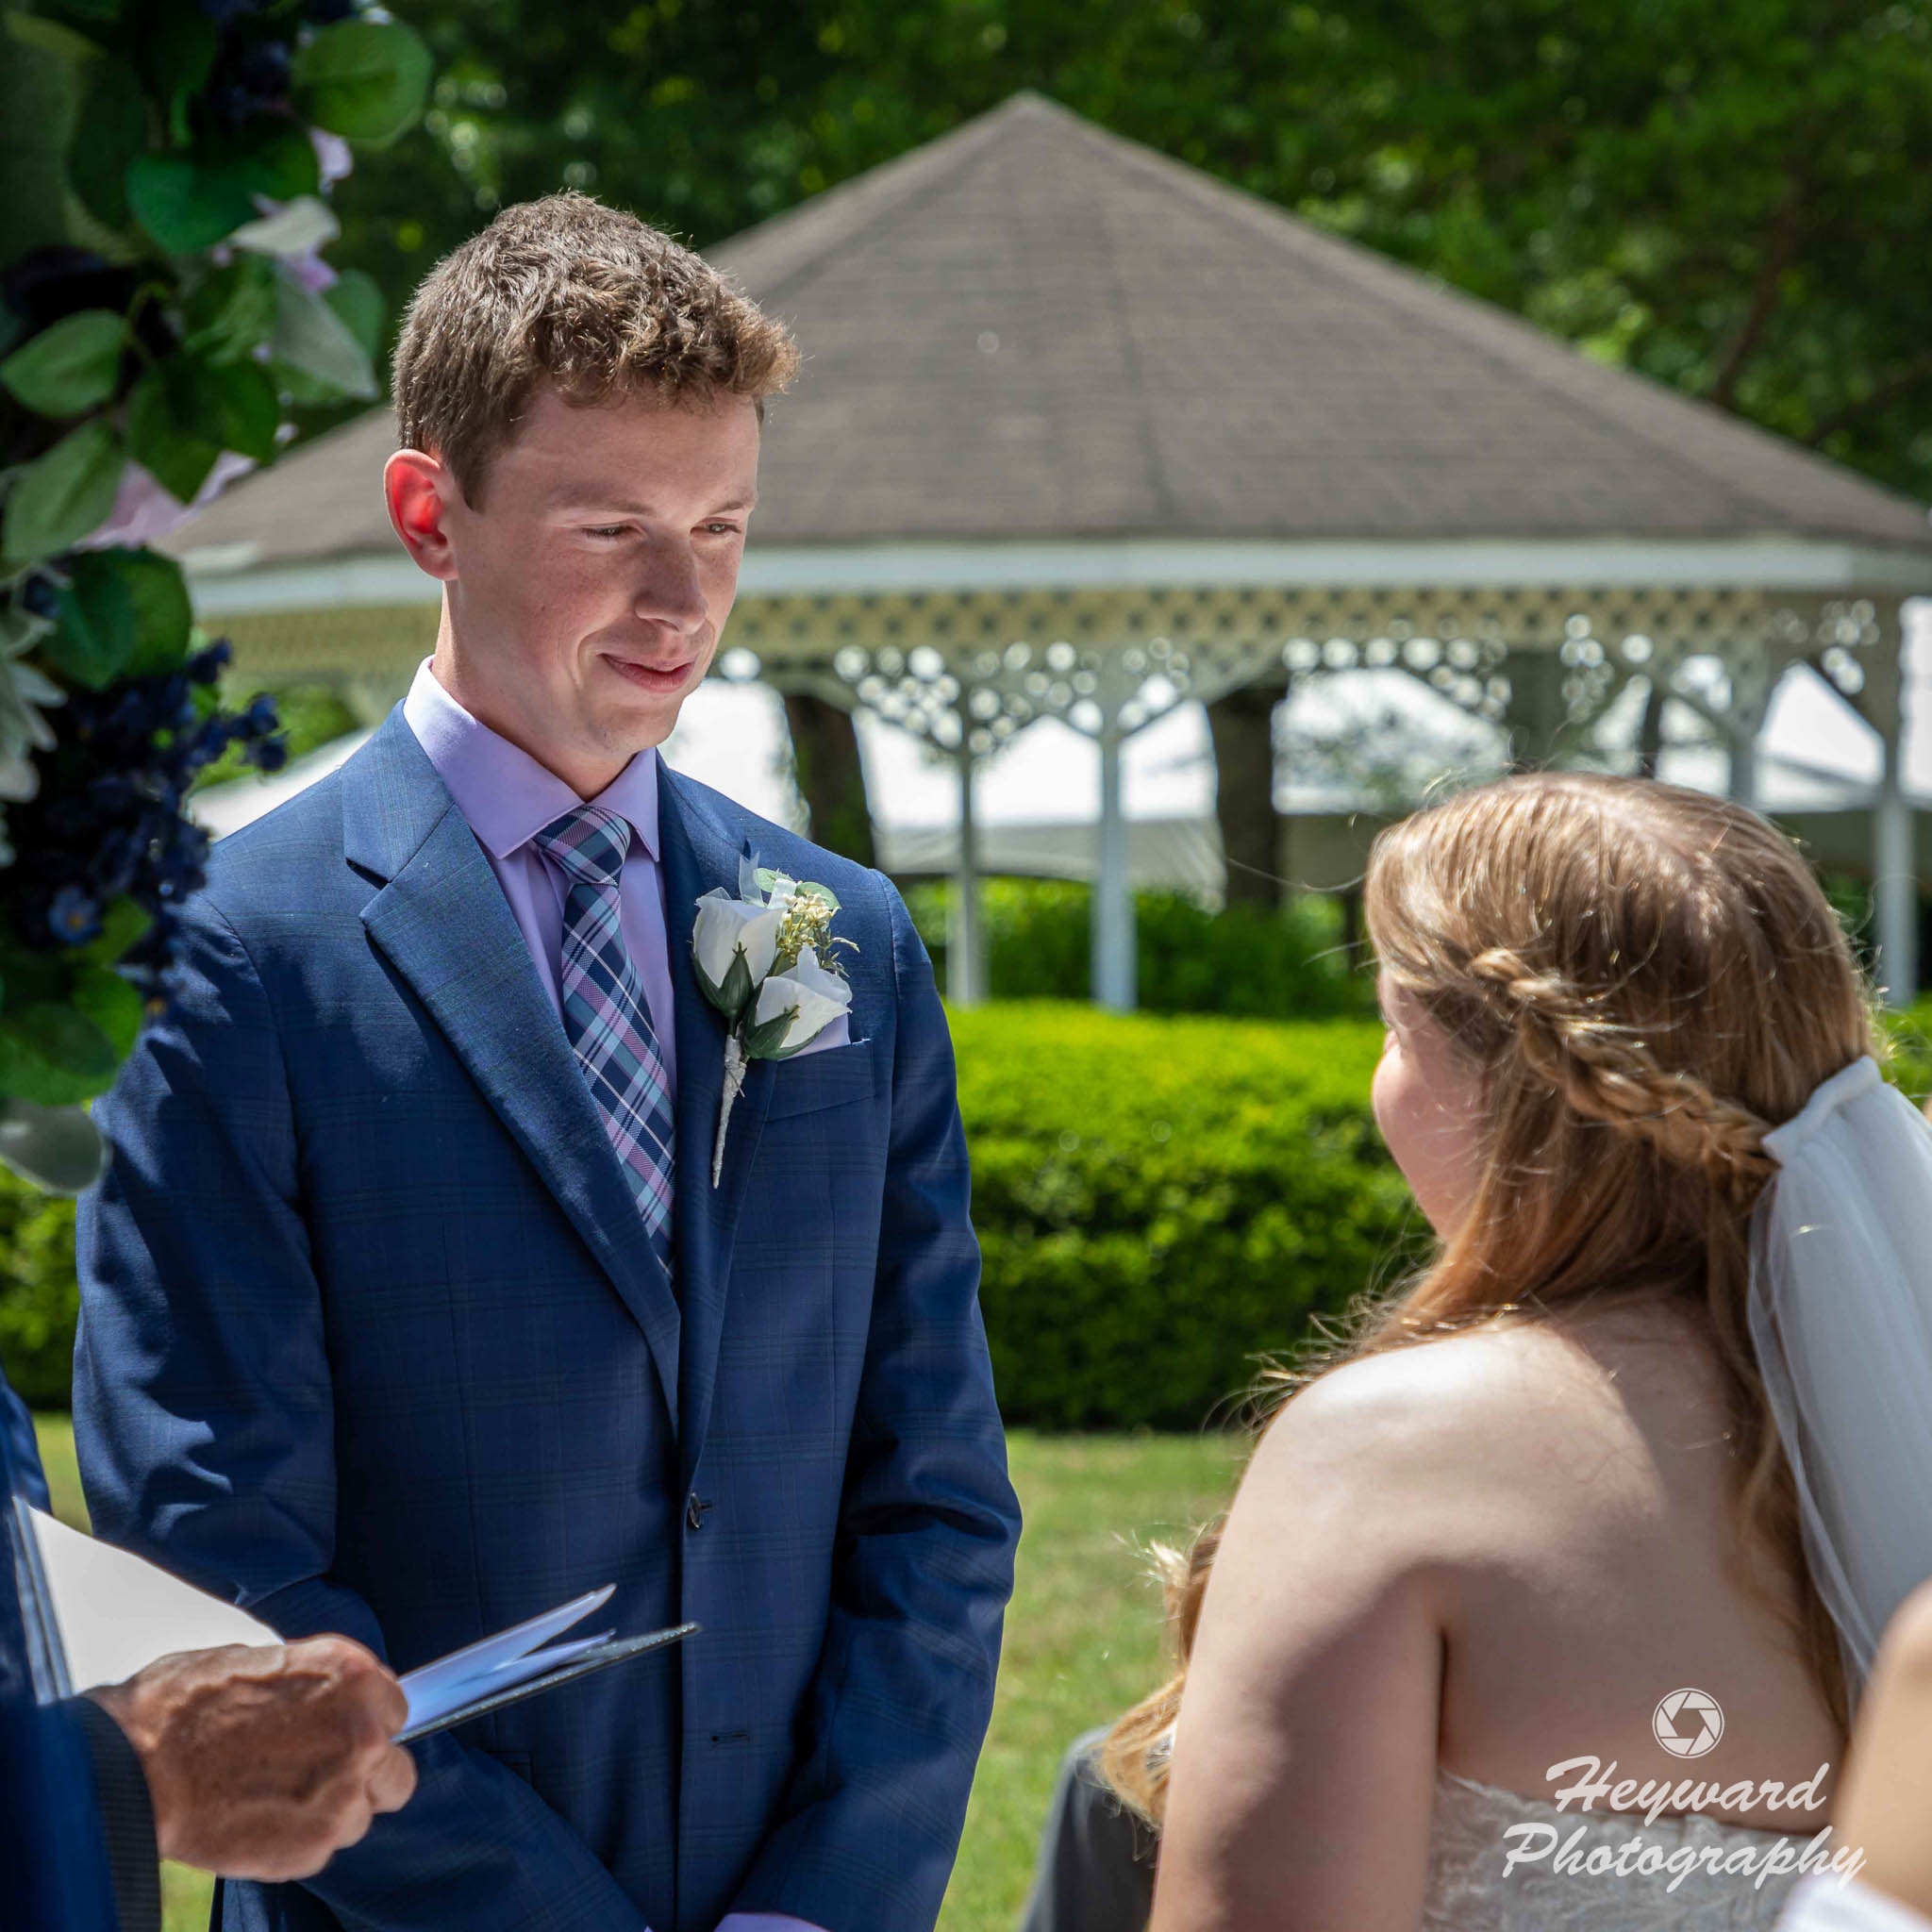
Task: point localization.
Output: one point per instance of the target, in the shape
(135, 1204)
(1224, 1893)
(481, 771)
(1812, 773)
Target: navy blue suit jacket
(372, 1340)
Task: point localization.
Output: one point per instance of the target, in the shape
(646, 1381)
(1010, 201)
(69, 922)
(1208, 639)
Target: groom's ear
(420, 490)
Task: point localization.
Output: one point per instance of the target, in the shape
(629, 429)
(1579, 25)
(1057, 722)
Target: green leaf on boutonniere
(762, 1042)
(736, 993)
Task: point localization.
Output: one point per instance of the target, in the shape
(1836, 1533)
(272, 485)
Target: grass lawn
(1083, 1637)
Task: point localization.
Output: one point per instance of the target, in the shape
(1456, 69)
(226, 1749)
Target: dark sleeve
(928, 1526)
(24, 1453)
(127, 1817)
(1097, 1859)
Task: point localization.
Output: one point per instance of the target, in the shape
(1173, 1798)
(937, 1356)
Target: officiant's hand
(263, 1763)
(1882, 1805)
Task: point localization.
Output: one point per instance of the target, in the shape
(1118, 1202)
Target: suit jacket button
(695, 1511)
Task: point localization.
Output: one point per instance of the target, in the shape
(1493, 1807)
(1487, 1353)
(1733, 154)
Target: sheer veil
(1840, 1312)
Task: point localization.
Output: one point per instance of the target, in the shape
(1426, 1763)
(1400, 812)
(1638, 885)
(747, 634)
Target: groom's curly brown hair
(587, 299)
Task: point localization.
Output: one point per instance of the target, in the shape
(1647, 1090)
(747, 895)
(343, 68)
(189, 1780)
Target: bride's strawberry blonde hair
(1647, 980)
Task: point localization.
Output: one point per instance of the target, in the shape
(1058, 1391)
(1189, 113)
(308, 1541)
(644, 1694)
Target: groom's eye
(607, 530)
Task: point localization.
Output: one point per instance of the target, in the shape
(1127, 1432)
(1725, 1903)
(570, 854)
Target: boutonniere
(768, 961)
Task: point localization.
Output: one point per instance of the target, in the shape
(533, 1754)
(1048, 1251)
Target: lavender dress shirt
(507, 797)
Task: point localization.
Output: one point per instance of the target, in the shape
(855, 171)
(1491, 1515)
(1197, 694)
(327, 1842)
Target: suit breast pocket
(812, 1081)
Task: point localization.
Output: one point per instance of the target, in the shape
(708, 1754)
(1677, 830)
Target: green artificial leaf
(112, 1003)
(40, 96)
(311, 338)
(298, 387)
(809, 888)
(124, 922)
(55, 1055)
(50, 36)
(163, 612)
(179, 45)
(185, 411)
(244, 405)
(185, 204)
(358, 307)
(72, 366)
(94, 637)
(231, 310)
(111, 130)
(275, 157)
(363, 79)
(62, 495)
(177, 453)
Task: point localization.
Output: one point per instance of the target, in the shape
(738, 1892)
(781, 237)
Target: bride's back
(1540, 1514)
(1570, 1481)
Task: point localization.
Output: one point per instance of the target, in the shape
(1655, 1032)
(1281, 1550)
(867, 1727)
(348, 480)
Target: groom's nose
(669, 591)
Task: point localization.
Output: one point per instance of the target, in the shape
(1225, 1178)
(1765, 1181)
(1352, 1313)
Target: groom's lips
(651, 678)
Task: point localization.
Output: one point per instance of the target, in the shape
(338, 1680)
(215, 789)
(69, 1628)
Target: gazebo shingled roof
(1173, 358)
(1083, 433)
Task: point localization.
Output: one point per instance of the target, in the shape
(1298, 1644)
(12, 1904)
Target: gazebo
(1084, 434)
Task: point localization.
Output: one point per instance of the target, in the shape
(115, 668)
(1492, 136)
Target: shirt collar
(505, 795)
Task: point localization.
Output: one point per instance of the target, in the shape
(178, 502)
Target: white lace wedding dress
(1469, 1890)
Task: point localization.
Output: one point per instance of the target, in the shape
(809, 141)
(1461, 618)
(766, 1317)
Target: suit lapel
(697, 855)
(443, 922)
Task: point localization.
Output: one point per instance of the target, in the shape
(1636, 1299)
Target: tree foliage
(1735, 199)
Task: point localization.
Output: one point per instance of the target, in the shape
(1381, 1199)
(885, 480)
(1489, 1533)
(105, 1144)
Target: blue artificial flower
(207, 664)
(270, 754)
(74, 918)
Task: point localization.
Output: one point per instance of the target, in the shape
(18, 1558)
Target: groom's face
(589, 584)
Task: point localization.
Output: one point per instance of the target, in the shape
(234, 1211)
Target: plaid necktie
(605, 1014)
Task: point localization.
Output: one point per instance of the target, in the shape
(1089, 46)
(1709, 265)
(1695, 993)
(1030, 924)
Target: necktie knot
(588, 843)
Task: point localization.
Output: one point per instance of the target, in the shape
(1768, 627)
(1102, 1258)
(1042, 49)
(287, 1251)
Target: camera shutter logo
(1688, 1723)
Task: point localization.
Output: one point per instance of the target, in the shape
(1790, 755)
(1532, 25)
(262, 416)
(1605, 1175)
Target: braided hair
(1646, 980)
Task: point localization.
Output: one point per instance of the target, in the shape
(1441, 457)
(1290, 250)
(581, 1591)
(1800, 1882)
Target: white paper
(117, 1613)
(500, 1662)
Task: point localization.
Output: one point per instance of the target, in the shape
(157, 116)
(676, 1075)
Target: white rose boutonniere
(768, 961)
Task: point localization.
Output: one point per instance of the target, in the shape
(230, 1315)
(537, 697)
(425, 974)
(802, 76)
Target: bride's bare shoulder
(1541, 1402)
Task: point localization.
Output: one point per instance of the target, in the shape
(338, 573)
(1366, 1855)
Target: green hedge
(37, 1293)
(1160, 1201)
(1294, 964)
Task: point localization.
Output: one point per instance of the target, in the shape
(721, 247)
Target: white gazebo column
(1894, 867)
(1113, 885)
(965, 934)
(1742, 785)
